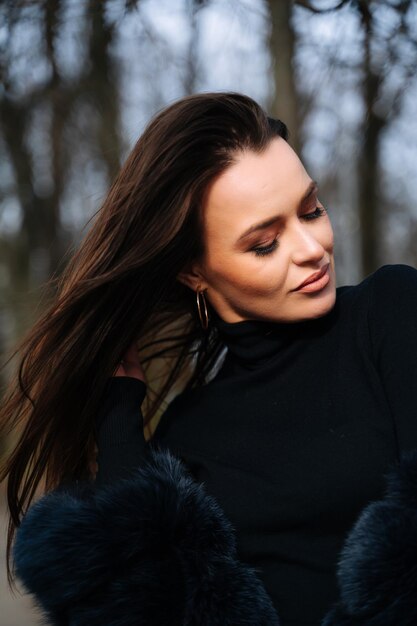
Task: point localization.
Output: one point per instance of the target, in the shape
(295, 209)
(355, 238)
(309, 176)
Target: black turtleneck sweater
(294, 433)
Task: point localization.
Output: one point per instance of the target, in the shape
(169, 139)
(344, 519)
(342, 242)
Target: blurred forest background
(80, 79)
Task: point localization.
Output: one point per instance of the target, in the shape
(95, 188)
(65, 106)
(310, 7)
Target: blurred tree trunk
(101, 86)
(284, 102)
(38, 249)
(386, 43)
(40, 243)
(369, 155)
(38, 232)
(60, 106)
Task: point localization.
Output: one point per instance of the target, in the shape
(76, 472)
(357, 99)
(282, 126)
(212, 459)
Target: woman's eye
(263, 250)
(315, 214)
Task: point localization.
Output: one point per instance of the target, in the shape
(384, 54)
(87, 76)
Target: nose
(305, 245)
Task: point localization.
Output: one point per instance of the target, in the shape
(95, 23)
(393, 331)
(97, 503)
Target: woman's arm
(119, 425)
(120, 440)
(143, 546)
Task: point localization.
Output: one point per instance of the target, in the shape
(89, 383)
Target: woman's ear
(192, 277)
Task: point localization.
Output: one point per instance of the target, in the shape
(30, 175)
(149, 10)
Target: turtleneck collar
(252, 342)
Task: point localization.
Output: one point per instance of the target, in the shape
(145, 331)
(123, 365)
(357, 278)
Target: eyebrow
(312, 188)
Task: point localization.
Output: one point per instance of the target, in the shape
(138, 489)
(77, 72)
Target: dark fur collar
(156, 549)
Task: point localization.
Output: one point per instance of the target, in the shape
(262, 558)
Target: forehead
(256, 187)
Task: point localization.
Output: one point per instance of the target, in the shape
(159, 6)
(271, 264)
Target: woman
(280, 484)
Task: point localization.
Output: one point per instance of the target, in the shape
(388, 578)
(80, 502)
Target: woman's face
(250, 270)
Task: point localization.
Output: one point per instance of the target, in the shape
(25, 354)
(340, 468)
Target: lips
(314, 276)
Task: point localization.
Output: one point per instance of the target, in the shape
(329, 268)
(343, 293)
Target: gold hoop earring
(203, 319)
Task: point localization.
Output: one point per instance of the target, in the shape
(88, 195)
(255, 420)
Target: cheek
(328, 235)
(324, 235)
(245, 273)
(225, 268)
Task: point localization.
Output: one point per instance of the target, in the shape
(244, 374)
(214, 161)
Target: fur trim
(156, 549)
(152, 549)
(377, 567)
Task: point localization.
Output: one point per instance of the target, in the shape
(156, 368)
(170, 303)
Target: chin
(325, 303)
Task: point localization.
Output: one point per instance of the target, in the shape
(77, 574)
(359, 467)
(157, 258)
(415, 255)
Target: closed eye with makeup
(266, 246)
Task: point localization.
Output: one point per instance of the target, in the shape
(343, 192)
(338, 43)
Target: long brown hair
(120, 286)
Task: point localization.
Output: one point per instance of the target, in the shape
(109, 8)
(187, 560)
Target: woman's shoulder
(395, 279)
(386, 284)
(393, 305)
(382, 307)
(393, 293)
(384, 302)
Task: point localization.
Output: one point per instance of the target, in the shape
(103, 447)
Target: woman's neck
(252, 342)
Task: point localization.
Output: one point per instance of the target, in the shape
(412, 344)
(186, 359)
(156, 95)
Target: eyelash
(264, 250)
